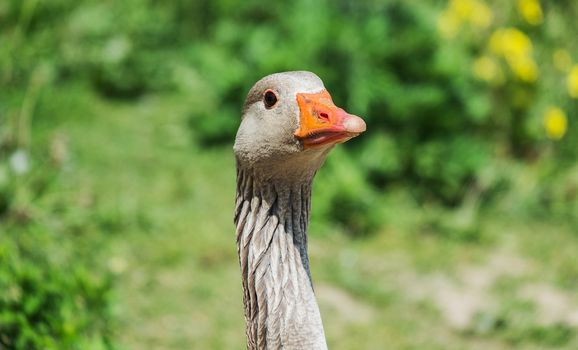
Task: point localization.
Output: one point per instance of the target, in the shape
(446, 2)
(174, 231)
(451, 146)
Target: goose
(288, 127)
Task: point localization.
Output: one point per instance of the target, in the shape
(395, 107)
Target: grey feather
(274, 178)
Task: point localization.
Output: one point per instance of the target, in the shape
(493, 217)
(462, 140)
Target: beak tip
(354, 124)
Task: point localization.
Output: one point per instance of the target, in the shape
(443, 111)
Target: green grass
(158, 208)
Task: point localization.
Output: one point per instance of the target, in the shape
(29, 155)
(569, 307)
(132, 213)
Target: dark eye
(270, 98)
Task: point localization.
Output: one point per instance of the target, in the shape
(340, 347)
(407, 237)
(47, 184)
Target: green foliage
(456, 128)
(52, 294)
(342, 196)
(46, 303)
(515, 324)
(386, 61)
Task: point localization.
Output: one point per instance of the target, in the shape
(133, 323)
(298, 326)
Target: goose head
(290, 124)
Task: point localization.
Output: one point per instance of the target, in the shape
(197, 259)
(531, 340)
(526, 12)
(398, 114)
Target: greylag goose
(288, 127)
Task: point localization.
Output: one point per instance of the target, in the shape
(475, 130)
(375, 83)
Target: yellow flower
(460, 12)
(482, 15)
(555, 123)
(472, 11)
(448, 25)
(525, 68)
(486, 69)
(510, 42)
(516, 48)
(531, 11)
(573, 82)
(562, 60)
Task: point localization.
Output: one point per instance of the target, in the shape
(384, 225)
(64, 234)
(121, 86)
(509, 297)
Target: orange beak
(322, 122)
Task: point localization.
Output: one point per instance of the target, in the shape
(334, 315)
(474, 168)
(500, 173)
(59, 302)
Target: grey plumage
(280, 307)
(274, 177)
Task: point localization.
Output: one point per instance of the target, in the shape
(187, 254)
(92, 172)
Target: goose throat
(280, 306)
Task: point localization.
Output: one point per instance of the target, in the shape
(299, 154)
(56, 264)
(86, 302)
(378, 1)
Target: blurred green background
(450, 224)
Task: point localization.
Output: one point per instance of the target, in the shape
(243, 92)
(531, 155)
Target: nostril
(324, 116)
